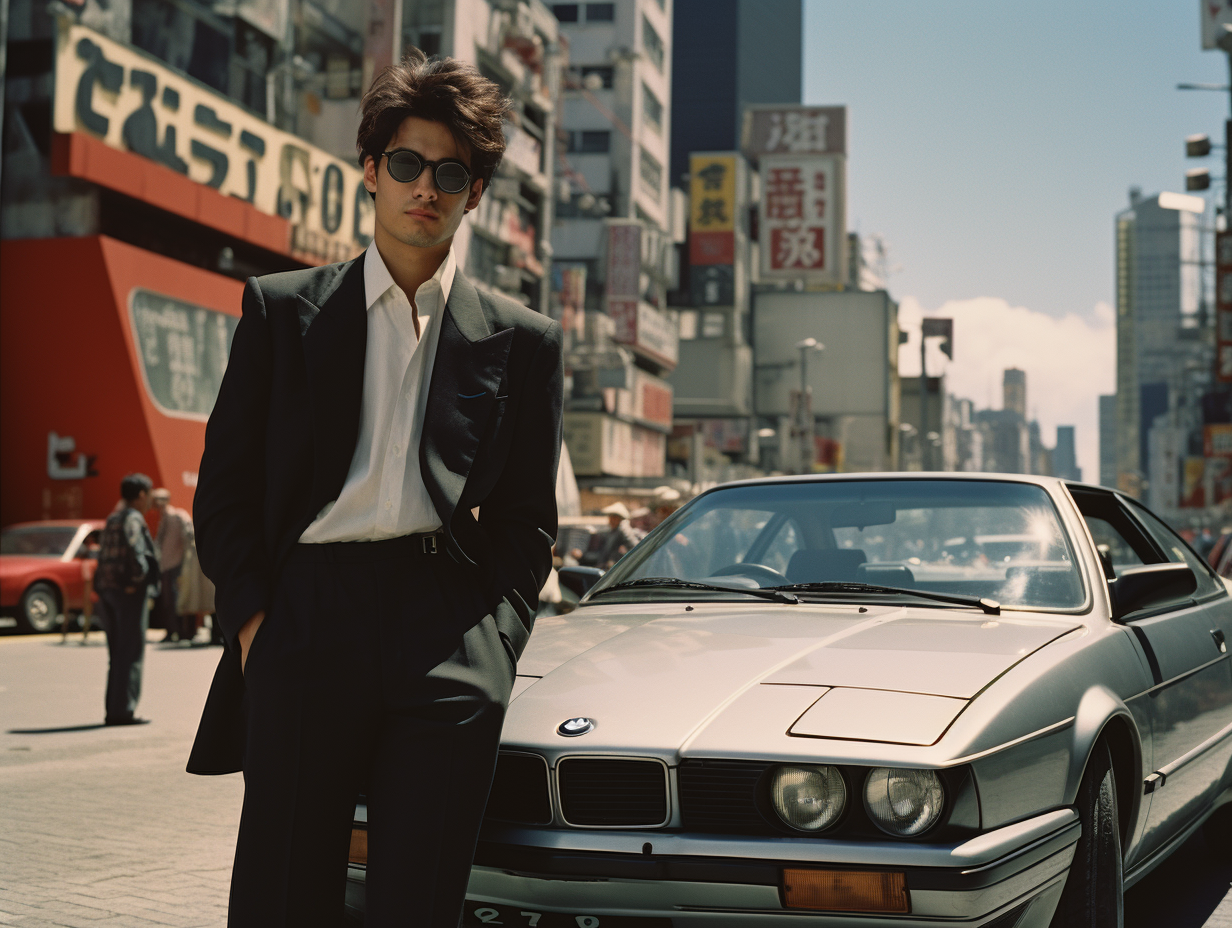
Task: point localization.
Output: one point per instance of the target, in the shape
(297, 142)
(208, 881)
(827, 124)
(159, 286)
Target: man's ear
(370, 173)
(476, 192)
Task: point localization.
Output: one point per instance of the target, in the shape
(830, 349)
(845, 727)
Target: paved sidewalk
(102, 826)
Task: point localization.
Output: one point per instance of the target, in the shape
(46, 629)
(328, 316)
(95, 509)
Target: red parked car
(43, 569)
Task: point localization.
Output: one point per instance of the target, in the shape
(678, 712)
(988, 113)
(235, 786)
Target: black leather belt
(421, 543)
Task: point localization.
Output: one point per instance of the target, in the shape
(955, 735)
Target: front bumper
(1011, 876)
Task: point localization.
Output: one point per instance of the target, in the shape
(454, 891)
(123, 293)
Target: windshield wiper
(776, 594)
(990, 606)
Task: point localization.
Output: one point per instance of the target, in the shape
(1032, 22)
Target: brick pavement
(102, 827)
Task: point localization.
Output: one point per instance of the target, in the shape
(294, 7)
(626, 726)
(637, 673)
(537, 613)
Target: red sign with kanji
(801, 217)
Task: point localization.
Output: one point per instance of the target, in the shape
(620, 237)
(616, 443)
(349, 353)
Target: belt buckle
(429, 544)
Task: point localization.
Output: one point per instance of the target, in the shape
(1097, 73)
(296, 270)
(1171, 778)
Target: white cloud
(1069, 362)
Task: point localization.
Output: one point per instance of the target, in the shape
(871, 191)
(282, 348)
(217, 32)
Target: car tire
(1094, 889)
(40, 608)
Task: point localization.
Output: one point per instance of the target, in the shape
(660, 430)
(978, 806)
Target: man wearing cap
(621, 535)
(174, 534)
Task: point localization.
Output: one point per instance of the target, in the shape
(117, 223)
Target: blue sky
(991, 145)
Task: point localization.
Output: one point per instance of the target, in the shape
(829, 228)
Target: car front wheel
(40, 607)
(1093, 890)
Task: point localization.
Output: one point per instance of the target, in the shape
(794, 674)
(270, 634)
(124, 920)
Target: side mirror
(579, 580)
(1150, 585)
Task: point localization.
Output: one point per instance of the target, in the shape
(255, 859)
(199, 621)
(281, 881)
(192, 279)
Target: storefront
(114, 349)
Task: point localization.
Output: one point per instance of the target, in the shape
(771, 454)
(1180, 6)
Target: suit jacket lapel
(466, 377)
(334, 325)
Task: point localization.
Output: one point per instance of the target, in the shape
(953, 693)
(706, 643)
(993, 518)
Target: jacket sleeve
(228, 509)
(519, 514)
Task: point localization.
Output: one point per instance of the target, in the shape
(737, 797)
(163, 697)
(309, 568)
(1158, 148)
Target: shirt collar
(377, 279)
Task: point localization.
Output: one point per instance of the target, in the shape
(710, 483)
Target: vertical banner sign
(801, 152)
(624, 271)
(1223, 307)
(1215, 15)
(712, 209)
(802, 228)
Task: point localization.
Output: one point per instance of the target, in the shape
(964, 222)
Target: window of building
(652, 174)
(713, 325)
(604, 72)
(565, 12)
(589, 142)
(600, 12)
(652, 109)
(652, 44)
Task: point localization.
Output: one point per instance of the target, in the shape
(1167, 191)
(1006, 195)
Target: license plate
(479, 914)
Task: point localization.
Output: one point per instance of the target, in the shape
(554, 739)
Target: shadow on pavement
(1183, 891)
(53, 731)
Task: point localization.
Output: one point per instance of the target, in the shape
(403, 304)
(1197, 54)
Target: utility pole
(925, 445)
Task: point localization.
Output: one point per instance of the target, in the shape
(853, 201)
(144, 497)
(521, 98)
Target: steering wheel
(757, 572)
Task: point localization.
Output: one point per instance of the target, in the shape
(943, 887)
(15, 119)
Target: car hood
(676, 677)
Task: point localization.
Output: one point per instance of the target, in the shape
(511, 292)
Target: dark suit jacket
(279, 444)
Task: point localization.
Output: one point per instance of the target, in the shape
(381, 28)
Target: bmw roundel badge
(571, 728)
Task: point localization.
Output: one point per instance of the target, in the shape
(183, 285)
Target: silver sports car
(866, 700)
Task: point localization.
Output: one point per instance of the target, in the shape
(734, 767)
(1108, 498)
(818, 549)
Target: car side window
(1178, 552)
(1111, 542)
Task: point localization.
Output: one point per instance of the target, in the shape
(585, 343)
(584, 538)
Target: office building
(1163, 351)
(613, 241)
(1107, 441)
(1064, 455)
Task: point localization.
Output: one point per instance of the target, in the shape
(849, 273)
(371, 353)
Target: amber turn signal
(846, 890)
(359, 847)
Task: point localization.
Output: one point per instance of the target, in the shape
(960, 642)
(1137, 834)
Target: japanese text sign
(795, 130)
(132, 102)
(624, 259)
(1223, 306)
(712, 209)
(803, 227)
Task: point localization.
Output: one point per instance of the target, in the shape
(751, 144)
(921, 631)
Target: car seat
(820, 565)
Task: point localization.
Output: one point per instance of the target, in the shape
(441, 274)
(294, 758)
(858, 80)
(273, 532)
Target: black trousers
(376, 669)
(126, 616)
(164, 605)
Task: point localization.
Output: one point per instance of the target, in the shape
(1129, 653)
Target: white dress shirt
(384, 494)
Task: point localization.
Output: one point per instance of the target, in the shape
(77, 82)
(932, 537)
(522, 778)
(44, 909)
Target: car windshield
(37, 541)
(991, 539)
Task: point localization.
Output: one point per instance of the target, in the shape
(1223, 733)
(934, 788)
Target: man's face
(160, 503)
(613, 520)
(142, 502)
(419, 214)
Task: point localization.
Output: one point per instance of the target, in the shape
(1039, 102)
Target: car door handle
(1220, 643)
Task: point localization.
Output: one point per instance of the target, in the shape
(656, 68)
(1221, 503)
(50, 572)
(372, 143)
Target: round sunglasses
(405, 165)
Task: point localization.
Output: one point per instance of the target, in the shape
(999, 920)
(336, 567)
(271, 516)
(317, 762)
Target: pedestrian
(196, 596)
(373, 621)
(620, 536)
(174, 536)
(126, 578)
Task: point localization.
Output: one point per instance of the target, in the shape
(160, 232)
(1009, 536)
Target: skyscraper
(1107, 441)
(1064, 456)
(1014, 391)
(1159, 331)
(728, 54)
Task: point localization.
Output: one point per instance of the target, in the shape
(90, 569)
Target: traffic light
(1198, 179)
(1197, 146)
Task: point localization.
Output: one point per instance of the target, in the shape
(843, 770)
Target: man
(174, 535)
(126, 578)
(373, 622)
(620, 536)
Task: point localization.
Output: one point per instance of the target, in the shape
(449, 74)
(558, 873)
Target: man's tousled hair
(443, 90)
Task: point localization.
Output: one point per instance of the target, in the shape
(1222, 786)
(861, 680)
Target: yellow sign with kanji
(712, 193)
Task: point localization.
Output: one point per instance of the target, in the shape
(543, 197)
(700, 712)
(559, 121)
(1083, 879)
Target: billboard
(133, 102)
(802, 229)
(774, 129)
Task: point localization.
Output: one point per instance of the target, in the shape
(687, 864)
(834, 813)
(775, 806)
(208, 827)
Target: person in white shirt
(376, 540)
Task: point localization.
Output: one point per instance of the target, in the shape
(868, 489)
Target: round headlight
(808, 798)
(903, 802)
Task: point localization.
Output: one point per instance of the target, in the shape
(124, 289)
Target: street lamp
(804, 408)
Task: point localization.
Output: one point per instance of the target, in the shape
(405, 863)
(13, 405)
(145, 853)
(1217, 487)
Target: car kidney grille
(613, 792)
(520, 790)
(721, 796)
